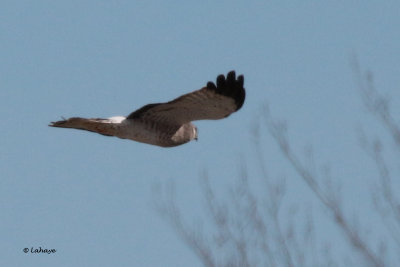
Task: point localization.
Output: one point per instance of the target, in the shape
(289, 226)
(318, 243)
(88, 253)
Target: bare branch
(191, 238)
(278, 131)
(247, 230)
(376, 103)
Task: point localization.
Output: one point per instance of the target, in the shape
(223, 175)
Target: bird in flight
(169, 124)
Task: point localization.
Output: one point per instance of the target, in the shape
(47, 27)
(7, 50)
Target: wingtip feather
(231, 87)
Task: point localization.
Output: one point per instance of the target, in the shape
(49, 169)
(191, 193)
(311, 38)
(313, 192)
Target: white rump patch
(116, 119)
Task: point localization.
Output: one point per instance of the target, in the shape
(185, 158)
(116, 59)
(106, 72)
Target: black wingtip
(231, 76)
(231, 87)
(220, 80)
(211, 85)
(241, 80)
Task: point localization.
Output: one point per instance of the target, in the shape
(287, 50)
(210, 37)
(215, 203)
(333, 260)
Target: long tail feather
(101, 126)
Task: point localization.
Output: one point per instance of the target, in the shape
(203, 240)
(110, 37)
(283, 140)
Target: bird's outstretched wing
(212, 102)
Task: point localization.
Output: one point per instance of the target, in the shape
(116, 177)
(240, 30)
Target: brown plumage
(169, 124)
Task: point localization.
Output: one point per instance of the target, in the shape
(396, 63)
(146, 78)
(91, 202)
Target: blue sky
(90, 197)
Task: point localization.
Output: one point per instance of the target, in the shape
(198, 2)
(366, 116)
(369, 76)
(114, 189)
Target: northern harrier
(169, 124)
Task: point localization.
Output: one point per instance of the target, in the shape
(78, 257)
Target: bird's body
(169, 124)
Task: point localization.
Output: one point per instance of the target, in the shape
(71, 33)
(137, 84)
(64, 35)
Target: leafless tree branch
(247, 229)
(278, 131)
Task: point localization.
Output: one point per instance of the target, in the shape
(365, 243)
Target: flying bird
(169, 124)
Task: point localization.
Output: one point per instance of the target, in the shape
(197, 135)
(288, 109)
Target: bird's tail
(102, 126)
